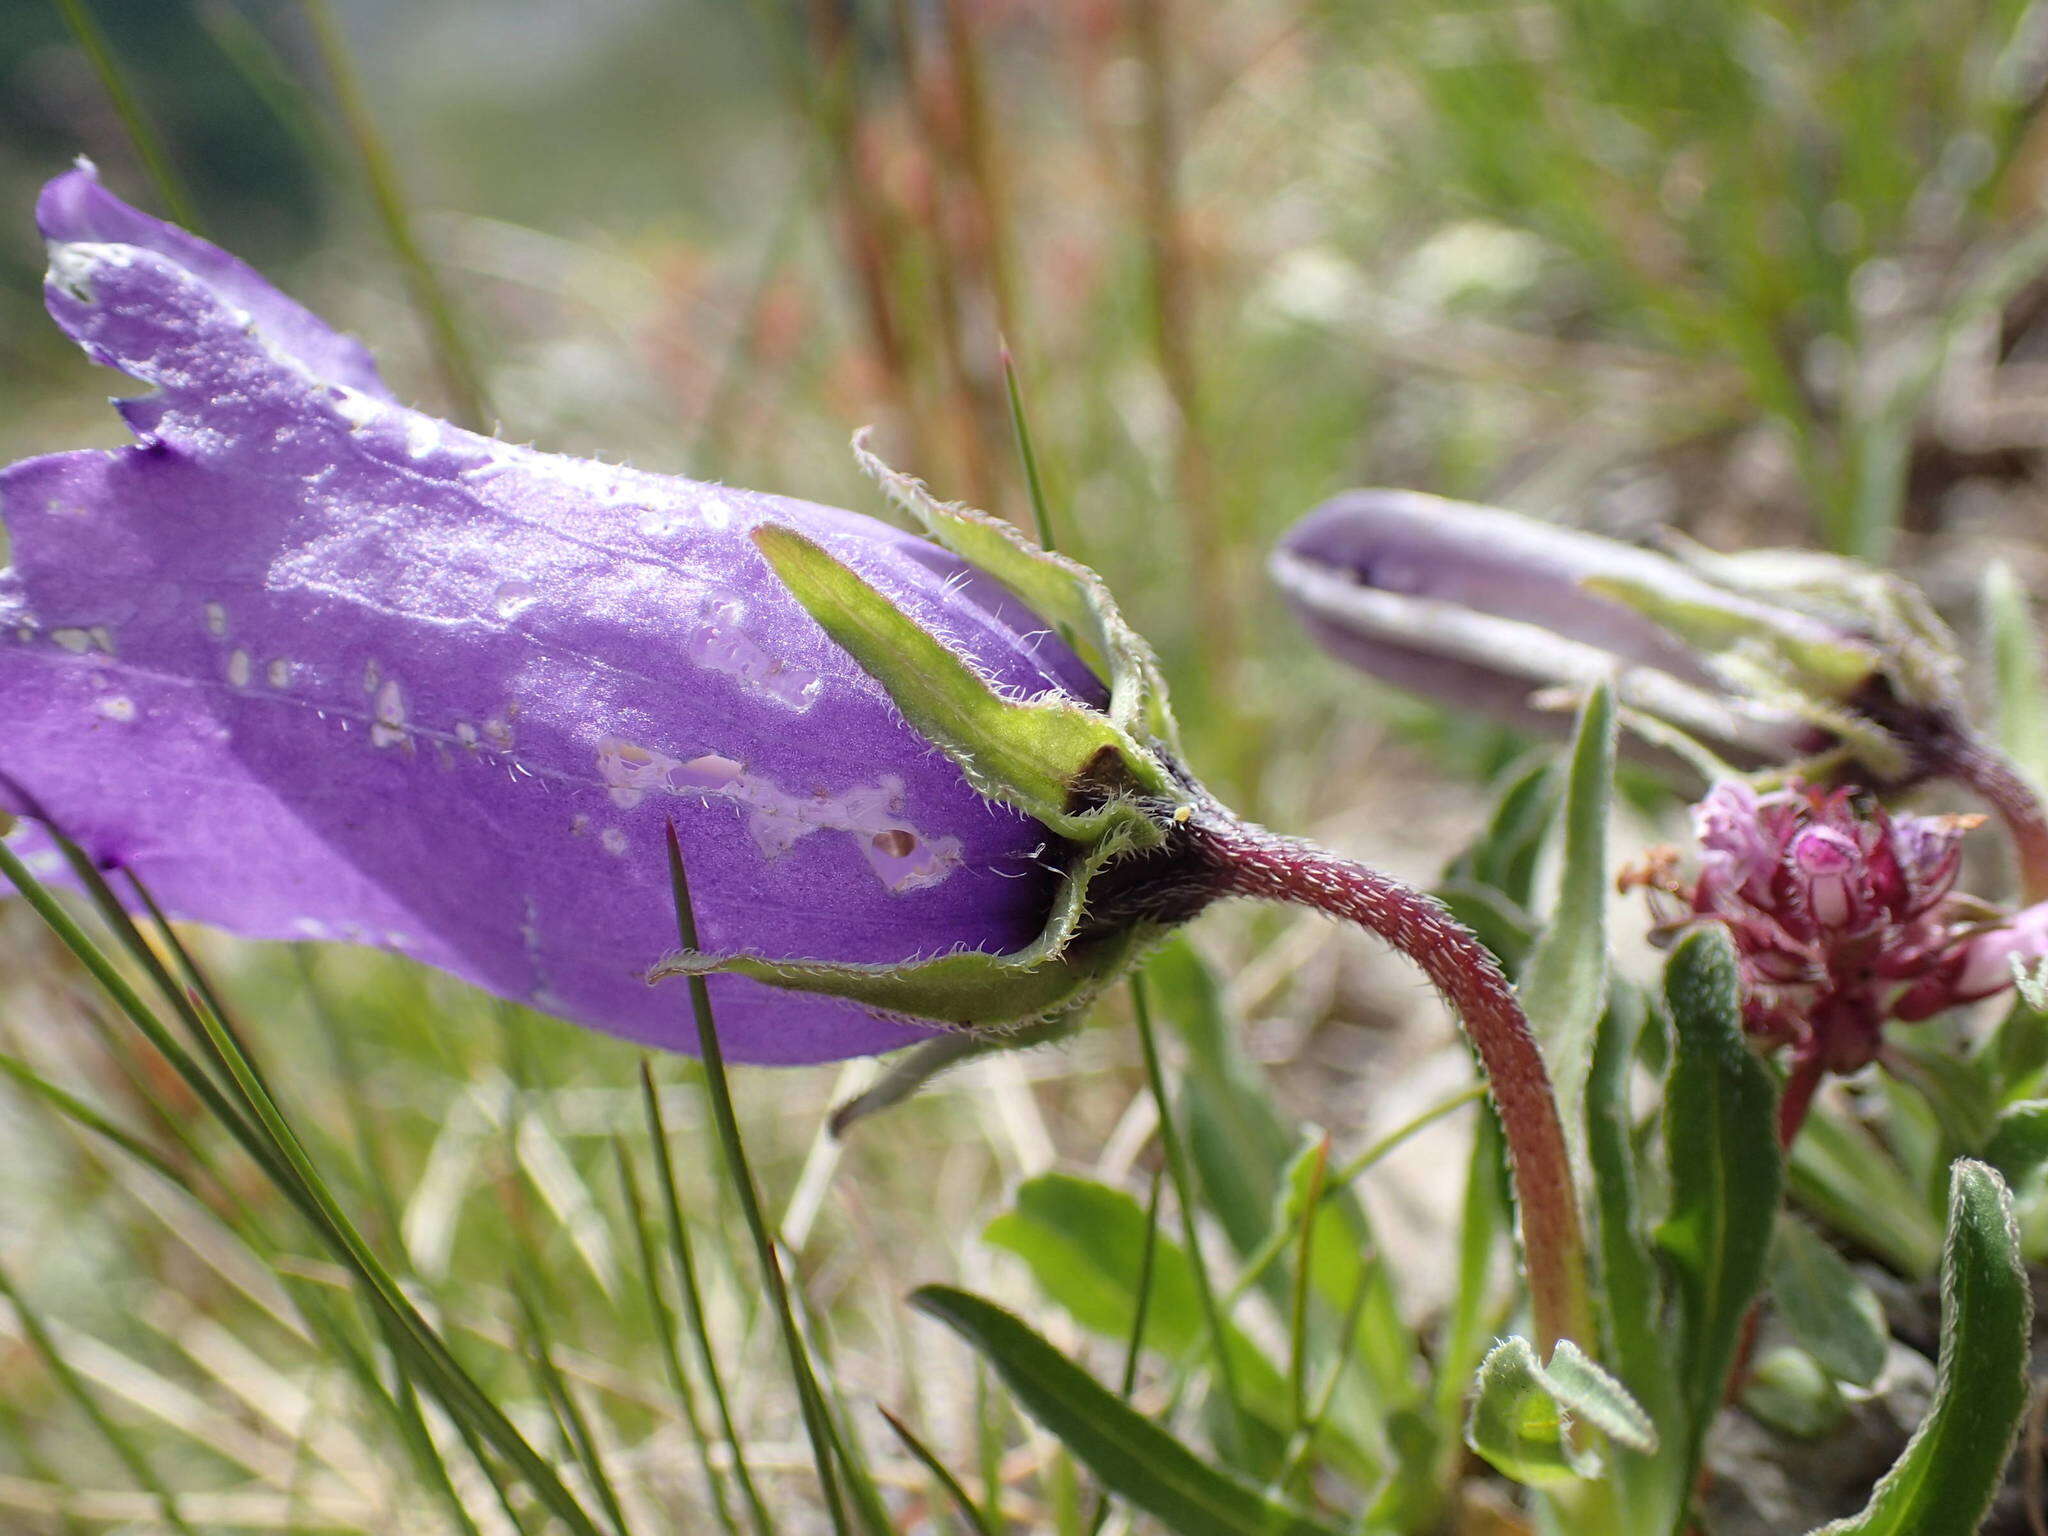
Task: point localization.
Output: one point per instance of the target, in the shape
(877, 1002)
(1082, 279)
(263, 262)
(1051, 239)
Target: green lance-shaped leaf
(1832, 1314)
(1726, 1174)
(1564, 987)
(1946, 1477)
(2019, 1144)
(1036, 754)
(1135, 1458)
(1524, 1413)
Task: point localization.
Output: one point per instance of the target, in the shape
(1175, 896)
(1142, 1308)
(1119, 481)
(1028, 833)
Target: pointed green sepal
(972, 989)
(1052, 757)
(1827, 659)
(1064, 591)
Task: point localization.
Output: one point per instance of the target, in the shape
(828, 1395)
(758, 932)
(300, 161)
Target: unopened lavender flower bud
(1772, 658)
(1484, 609)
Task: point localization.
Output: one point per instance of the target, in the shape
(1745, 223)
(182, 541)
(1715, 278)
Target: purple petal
(314, 665)
(75, 209)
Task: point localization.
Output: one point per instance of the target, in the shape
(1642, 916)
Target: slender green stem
(939, 1470)
(1184, 1198)
(693, 1301)
(1141, 1314)
(149, 144)
(1041, 513)
(741, 1174)
(451, 352)
(671, 1346)
(1297, 1333)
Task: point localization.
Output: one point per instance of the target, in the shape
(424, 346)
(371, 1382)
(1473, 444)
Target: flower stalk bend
(1250, 861)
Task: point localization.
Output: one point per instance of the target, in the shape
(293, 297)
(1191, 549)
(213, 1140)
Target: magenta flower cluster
(1845, 917)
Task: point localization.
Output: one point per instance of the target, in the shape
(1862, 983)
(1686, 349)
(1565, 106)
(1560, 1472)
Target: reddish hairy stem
(1796, 1098)
(1992, 776)
(1251, 861)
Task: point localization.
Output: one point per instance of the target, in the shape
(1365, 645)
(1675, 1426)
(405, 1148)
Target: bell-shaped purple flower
(315, 665)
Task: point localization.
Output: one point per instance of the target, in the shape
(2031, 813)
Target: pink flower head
(1844, 917)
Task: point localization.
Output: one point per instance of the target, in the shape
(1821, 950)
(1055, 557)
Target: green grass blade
(1134, 1457)
(1184, 1199)
(684, 1254)
(740, 1175)
(671, 1343)
(1946, 1477)
(575, 1424)
(458, 366)
(962, 1503)
(1041, 514)
(149, 145)
(76, 1110)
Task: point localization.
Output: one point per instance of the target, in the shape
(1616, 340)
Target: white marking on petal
(902, 858)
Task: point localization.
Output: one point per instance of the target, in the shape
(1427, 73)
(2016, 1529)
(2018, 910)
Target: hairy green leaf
(1523, 1413)
(1564, 987)
(1946, 1477)
(1726, 1175)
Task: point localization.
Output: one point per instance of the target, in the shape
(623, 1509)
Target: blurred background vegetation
(1766, 272)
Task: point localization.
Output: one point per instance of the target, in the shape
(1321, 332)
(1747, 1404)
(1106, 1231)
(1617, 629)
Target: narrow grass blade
(149, 145)
(1946, 1477)
(1134, 1457)
(118, 1439)
(451, 352)
(1041, 514)
(244, 1107)
(575, 1424)
(671, 1345)
(681, 1250)
(76, 1110)
(740, 1175)
(964, 1505)
(1184, 1199)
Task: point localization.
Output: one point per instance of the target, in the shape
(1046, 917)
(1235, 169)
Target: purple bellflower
(314, 665)
(1844, 917)
(311, 664)
(1768, 659)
